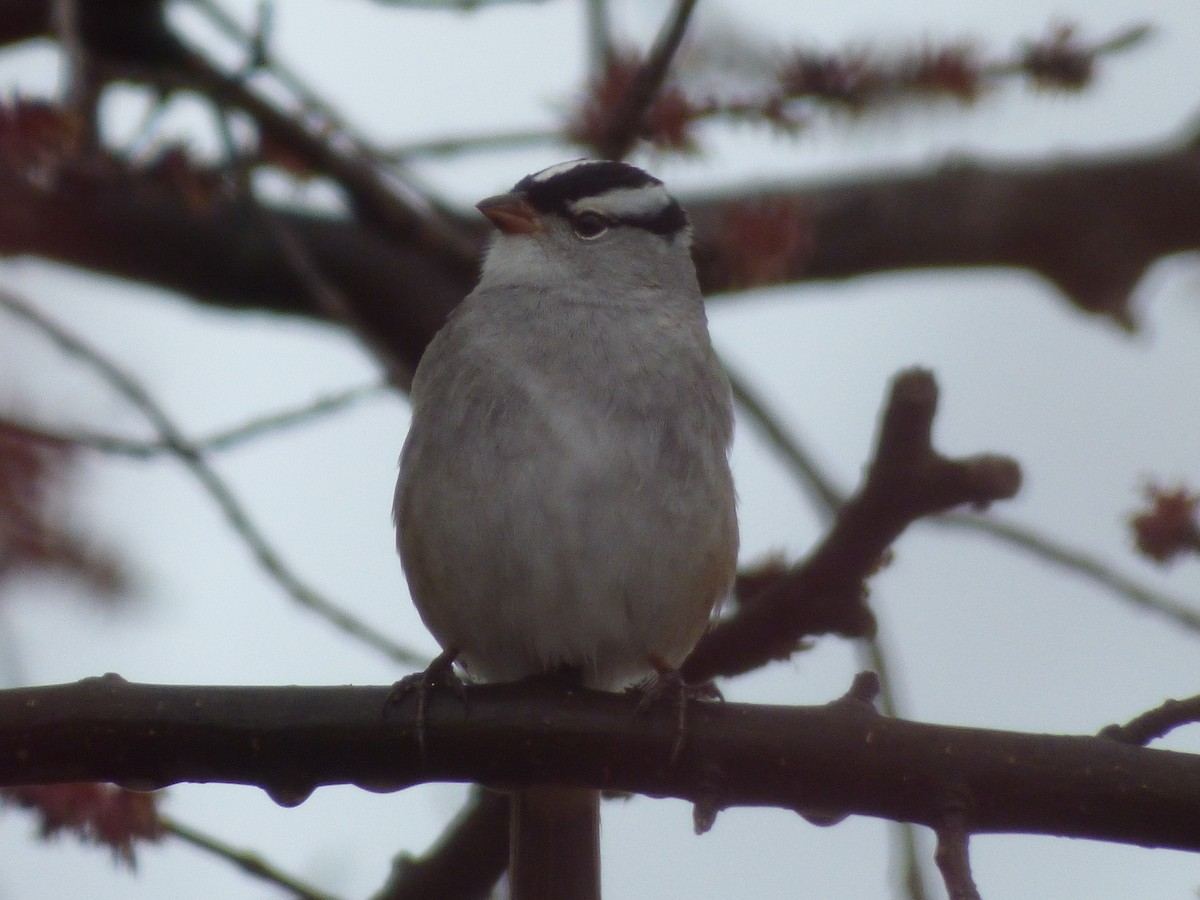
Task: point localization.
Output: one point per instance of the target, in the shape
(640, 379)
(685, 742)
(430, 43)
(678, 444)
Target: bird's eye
(589, 225)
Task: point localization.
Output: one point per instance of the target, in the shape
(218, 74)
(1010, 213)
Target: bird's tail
(555, 844)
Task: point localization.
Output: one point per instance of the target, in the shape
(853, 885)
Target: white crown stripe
(559, 169)
(626, 203)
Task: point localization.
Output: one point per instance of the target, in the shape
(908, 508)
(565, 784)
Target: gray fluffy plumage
(564, 496)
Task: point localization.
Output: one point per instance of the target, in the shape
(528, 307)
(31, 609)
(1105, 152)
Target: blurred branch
(496, 140)
(409, 216)
(266, 556)
(907, 479)
(222, 440)
(819, 487)
(829, 500)
(1136, 209)
(250, 863)
(618, 135)
(1092, 227)
(840, 757)
(133, 225)
(260, 56)
(1181, 612)
(132, 41)
(865, 78)
(599, 36)
(855, 80)
(786, 89)
(467, 860)
(1064, 61)
(81, 92)
(330, 299)
(827, 495)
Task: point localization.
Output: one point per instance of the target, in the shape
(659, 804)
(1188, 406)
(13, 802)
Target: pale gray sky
(982, 634)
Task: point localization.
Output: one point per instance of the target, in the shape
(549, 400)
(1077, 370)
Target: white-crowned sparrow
(564, 499)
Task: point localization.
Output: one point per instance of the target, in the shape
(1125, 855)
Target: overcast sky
(982, 634)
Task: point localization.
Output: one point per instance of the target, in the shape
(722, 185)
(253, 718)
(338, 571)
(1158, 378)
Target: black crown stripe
(593, 178)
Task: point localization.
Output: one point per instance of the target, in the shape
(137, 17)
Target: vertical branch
(81, 92)
(905, 852)
(324, 294)
(625, 124)
(828, 499)
(952, 857)
(599, 36)
(333, 301)
(467, 860)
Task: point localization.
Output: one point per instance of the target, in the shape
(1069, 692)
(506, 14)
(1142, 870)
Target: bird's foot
(668, 685)
(439, 672)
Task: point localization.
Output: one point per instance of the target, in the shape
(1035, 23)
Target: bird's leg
(668, 684)
(439, 672)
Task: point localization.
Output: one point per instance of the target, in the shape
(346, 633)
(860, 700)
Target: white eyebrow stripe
(626, 203)
(559, 168)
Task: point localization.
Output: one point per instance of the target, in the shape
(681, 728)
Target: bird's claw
(439, 672)
(667, 684)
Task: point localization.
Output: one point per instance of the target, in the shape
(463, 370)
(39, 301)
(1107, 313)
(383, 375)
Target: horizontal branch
(127, 224)
(843, 758)
(1090, 226)
(906, 479)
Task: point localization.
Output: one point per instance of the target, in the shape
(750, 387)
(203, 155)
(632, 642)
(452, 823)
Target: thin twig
(249, 862)
(465, 862)
(599, 36)
(1156, 723)
(308, 98)
(626, 121)
(186, 453)
(1180, 611)
(953, 858)
(826, 495)
(828, 499)
(906, 852)
(449, 146)
(289, 418)
(823, 493)
(79, 92)
(214, 443)
(333, 301)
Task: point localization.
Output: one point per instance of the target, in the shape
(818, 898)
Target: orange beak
(511, 213)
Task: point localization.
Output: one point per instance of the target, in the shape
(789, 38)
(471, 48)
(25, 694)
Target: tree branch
(839, 758)
(953, 858)
(1090, 226)
(907, 479)
(1156, 723)
(466, 861)
(226, 439)
(624, 126)
(236, 516)
(248, 861)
